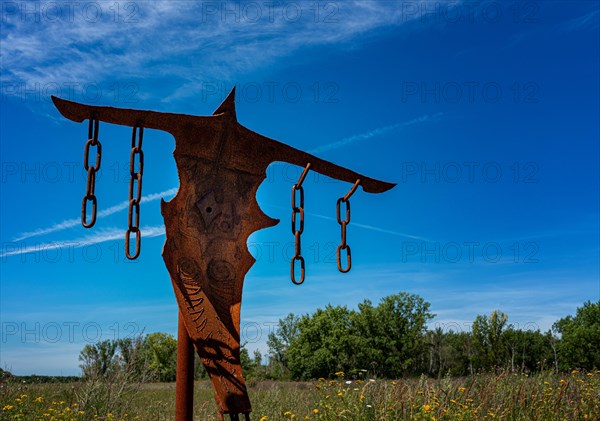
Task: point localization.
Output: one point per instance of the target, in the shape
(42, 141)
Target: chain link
(298, 229)
(90, 186)
(133, 216)
(344, 224)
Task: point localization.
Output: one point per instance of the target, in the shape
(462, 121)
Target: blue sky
(485, 114)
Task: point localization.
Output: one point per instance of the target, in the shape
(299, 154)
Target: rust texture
(221, 165)
(184, 388)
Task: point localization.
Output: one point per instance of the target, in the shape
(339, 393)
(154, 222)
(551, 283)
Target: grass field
(574, 396)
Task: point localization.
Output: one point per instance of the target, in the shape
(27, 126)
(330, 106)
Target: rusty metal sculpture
(221, 165)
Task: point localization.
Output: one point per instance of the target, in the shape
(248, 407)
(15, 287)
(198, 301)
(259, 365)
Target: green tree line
(145, 358)
(388, 340)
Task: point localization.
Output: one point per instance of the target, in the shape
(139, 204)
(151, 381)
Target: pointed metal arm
(168, 122)
(263, 150)
(278, 151)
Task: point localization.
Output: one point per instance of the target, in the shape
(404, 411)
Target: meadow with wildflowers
(493, 372)
(501, 396)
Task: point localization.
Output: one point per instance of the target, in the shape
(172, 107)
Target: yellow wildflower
(265, 418)
(340, 394)
(461, 389)
(426, 408)
(340, 374)
(7, 407)
(315, 411)
(39, 399)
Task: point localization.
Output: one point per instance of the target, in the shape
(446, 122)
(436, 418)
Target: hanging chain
(91, 173)
(344, 223)
(297, 231)
(133, 216)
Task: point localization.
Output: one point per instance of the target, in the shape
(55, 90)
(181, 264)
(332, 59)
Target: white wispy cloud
(359, 225)
(374, 228)
(101, 236)
(587, 21)
(375, 132)
(188, 42)
(73, 222)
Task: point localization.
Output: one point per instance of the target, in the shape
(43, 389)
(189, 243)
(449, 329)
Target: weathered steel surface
(184, 387)
(221, 165)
